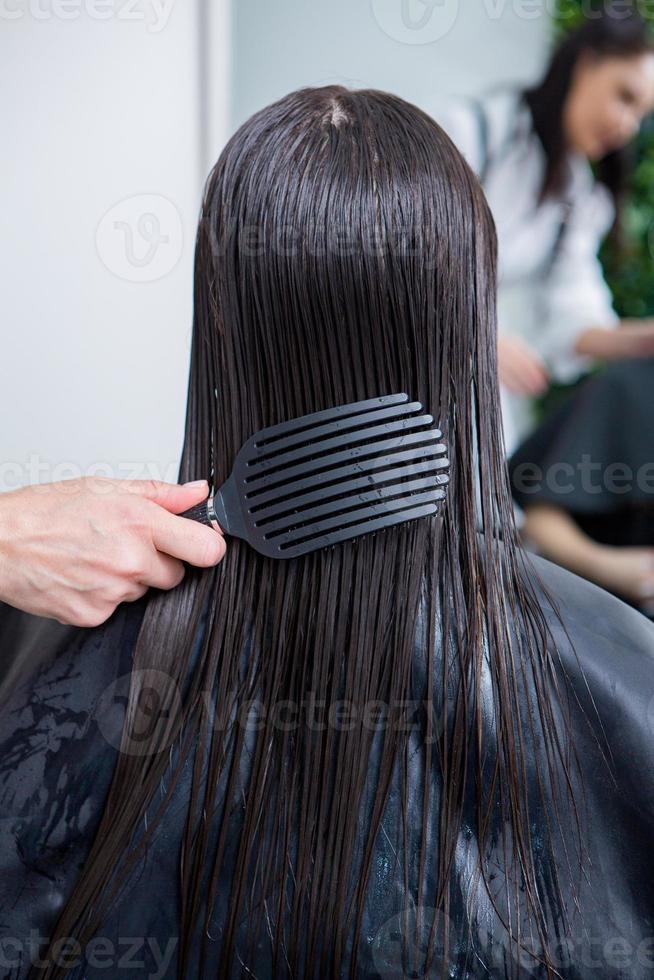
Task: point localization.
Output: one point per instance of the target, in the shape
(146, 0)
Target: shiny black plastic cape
(59, 735)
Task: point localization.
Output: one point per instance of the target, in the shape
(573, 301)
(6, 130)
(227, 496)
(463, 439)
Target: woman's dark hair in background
(345, 250)
(606, 32)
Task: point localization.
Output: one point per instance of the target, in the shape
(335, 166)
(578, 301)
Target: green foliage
(570, 13)
(628, 270)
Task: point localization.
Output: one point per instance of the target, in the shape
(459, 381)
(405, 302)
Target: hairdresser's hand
(521, 370)
(74, 550)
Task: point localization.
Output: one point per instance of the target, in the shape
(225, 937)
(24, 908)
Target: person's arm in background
(75, 549)
(522, 371)
(579, 323)
(634, 338)
(625, 571)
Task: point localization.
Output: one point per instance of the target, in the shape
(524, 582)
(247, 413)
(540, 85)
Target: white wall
(96, 316)
(419, 49)
(105, 103)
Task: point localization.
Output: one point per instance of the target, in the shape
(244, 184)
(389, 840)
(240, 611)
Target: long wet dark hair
(606, 32)
(345, 250)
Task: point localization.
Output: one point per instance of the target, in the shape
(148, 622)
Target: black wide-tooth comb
(330, 476)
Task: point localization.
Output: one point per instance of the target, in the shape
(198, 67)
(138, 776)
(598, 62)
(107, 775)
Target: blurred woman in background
(585, 482)
(533, 151)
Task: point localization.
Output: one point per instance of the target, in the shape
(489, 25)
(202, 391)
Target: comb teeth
(357, 462)
(312, 516)
(315, 481)
(278, 505)
(334, 475)
(305, 439)
(326, 453)
(275, 433)
(383, 516)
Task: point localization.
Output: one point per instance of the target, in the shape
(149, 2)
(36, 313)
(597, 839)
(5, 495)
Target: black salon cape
(58, 741)
(593, 456)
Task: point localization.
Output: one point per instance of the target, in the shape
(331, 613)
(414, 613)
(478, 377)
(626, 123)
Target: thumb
(174, 497)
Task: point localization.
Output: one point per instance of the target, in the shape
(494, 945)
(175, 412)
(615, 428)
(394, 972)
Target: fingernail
(197, 483)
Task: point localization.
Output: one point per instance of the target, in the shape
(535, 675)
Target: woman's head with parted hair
(344, 250)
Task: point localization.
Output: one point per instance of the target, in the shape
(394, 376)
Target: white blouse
(546, 304)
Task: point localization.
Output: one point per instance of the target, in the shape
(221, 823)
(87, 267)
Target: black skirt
(593, 456)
